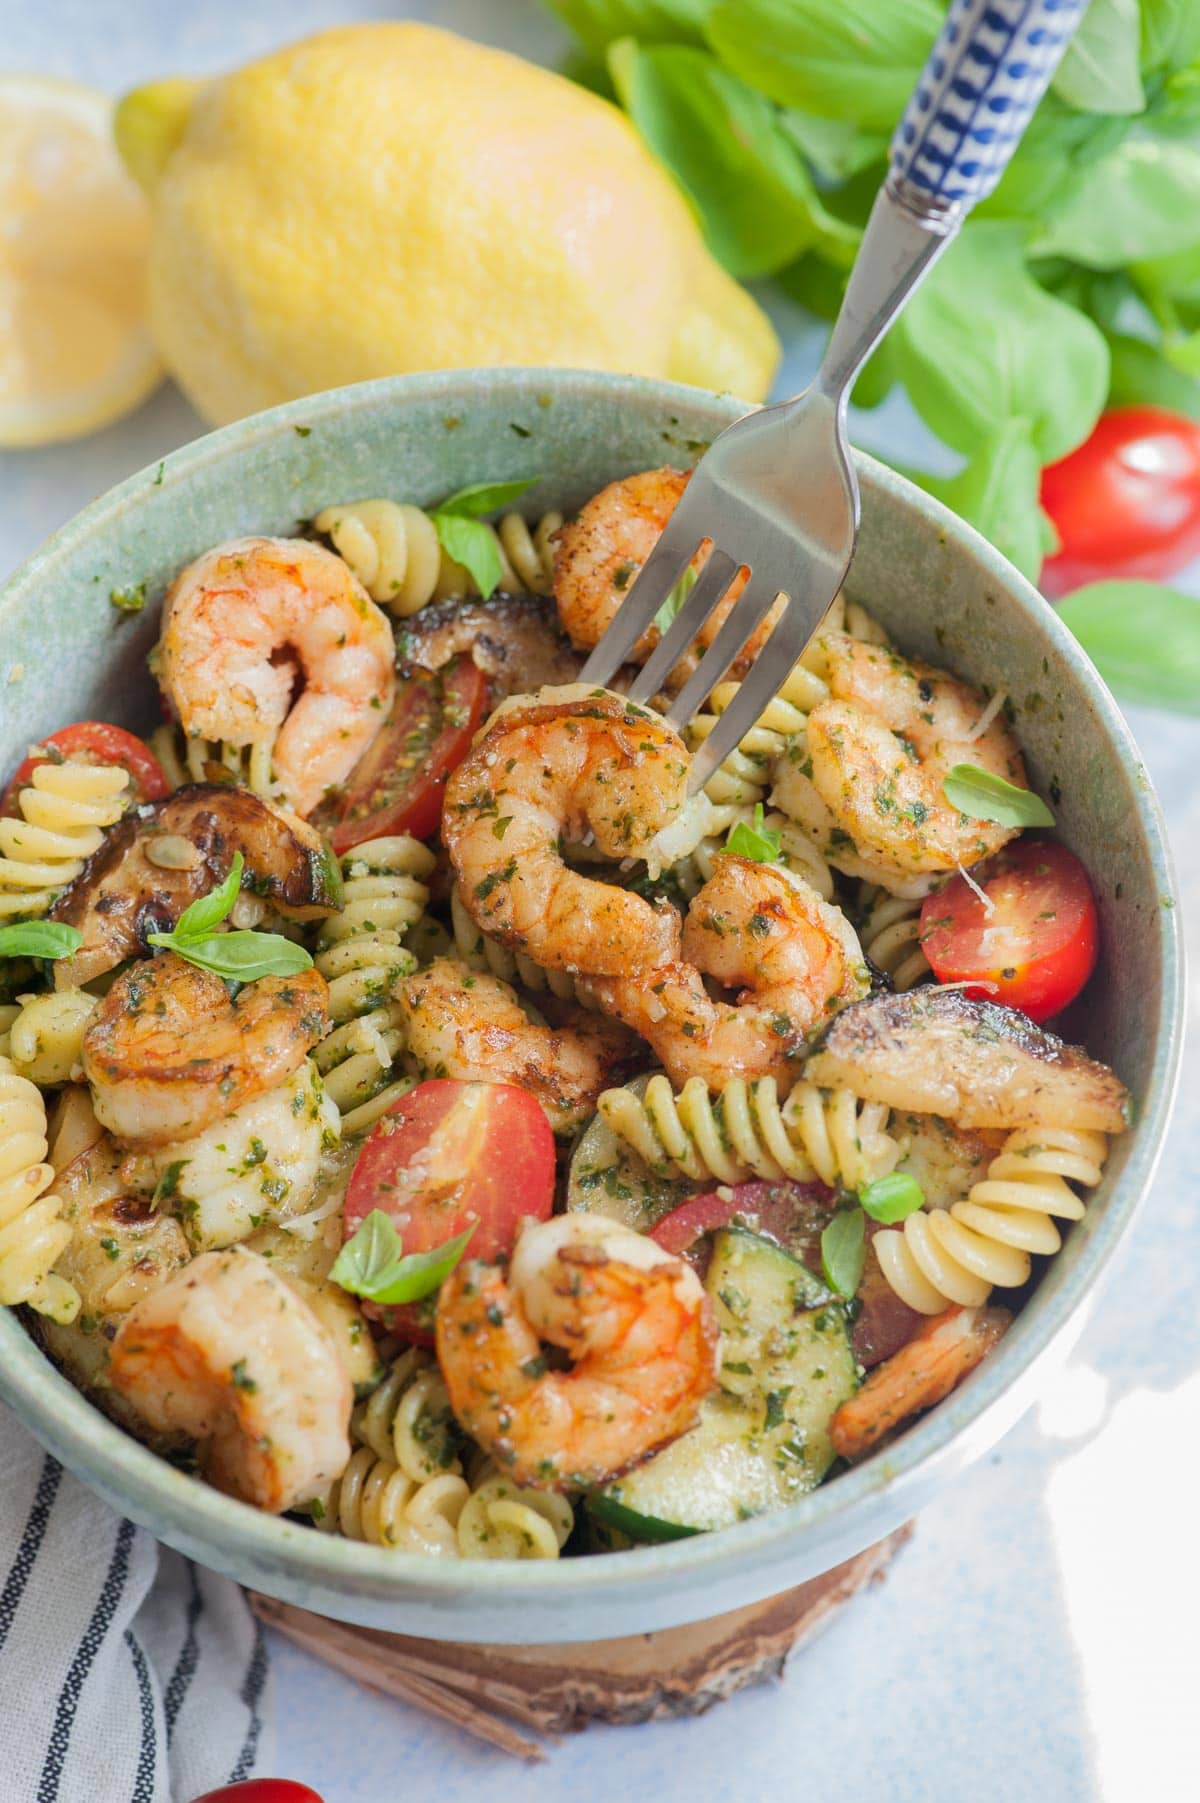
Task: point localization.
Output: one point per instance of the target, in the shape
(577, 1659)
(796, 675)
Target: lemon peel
(76, 351)
(390, 197)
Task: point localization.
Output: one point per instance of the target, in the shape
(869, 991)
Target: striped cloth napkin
(127, 1674)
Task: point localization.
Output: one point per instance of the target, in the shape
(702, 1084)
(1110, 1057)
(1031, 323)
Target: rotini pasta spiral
(745, 776)
(408, 1419)
(890, 934)
(64, 811)
(959, 1254)
(374, 1500)
(502, 1521)
(744, 1132)
(403, 1487)
(45, 1037)
(185, 760)
(360, 953)
(394, 550)
(33, 1234)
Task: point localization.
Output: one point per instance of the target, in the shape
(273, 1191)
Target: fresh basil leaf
(980, 343)
(843, 1251)
(1170, 33)
(721, 141)
(1099, 73)
(675, 599)
(598, 23)
(840, 59)
(757, 841)
(485, 497)
(420, 1273)
(39, 939)
(1056, 145)
(892, 1198)
(1139, 201)
(240, 957)
(836, 148)
(997, 493)
(368, 1252)
(1143, 638)
(198, 920)
(473, 545)
(370, 1264)
(985, 796)
(1182, 351)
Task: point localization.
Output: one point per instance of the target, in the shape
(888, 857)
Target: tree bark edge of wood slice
(560, 1688)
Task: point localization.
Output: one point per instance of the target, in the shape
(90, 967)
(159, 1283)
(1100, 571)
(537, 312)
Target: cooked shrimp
(227, 1353)
(757, 929)
(249, 624)
(167, 1052)
(638, 1328)
(944, 1350)
(601, 550)
(469, 1025)
(557, 767)
(877, 753)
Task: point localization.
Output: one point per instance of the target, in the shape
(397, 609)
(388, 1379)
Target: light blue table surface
(1040, 1637)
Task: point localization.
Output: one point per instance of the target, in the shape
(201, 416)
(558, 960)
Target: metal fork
(776, 494)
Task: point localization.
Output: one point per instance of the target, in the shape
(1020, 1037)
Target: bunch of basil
(1075, 286)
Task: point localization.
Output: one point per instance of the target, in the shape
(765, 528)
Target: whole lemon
(390, 197)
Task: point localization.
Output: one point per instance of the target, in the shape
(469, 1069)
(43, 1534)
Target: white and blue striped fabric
(127, 1674)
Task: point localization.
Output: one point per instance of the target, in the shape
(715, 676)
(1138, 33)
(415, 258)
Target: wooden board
(561, 1688)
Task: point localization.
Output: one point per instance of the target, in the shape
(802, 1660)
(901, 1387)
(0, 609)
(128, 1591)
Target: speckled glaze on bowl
(66, 653)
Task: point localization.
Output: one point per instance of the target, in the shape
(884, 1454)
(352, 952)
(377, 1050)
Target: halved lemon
(75, 346)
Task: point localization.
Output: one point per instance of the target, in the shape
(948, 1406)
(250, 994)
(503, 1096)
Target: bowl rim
(167, 1500)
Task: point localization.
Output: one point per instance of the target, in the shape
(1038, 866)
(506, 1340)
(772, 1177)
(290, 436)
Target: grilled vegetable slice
(160, 858)
(979, 1065)
(763, 1439)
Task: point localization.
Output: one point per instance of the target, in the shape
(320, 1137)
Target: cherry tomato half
(262, 1790)
(446, 1155)
(400, 783)
(1126, 502)
(93, 742)
(1035, 947)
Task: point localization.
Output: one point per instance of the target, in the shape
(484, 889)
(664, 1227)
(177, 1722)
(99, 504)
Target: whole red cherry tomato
(1126, 502)
(262, 1790)
(1033, 944)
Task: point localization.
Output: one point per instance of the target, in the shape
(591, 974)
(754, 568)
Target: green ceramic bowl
(67, 653)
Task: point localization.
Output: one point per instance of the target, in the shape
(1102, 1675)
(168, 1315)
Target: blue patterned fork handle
(992, 62)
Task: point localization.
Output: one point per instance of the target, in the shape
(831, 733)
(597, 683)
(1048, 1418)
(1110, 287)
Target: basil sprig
(370, 1263)
(464, 537)
(39, 939)
(758, 842)
(242, 956)
(987, 797)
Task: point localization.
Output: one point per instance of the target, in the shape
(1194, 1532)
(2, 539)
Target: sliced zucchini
(607, 1177)
(763, 1439)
